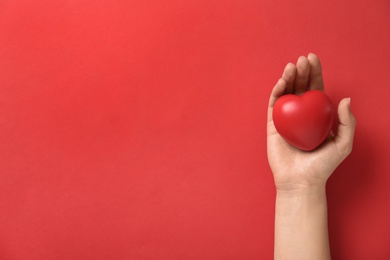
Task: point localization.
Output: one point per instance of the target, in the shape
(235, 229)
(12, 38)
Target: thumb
(346, 128)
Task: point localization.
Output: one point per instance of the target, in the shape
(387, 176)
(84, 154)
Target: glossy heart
(304, 121)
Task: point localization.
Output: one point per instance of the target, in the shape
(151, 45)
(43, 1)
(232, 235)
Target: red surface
(304, 120)
(137, 130)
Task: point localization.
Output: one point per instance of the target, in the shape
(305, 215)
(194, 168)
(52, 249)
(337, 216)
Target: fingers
(302, 77)
(346, 128)
(289, 76)
(316, 81)
(277, 92)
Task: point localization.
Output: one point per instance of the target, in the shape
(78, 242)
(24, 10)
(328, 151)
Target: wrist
(296, 191)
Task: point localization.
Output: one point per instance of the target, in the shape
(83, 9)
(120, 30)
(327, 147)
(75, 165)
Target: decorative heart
(304, 121)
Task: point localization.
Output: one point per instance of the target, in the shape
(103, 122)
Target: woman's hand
(293, 168)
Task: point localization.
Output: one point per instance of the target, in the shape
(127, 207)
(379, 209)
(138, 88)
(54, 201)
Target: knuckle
(353, 120)
(346, 150)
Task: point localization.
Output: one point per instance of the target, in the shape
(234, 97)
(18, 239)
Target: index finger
(276, 93)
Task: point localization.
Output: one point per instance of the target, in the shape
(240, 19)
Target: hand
(293, 168)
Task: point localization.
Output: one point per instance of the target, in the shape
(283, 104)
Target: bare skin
(301, 230)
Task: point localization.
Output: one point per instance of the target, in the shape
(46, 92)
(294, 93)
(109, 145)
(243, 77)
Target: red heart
(304, 121)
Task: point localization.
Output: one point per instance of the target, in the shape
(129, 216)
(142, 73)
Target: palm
(291, 166)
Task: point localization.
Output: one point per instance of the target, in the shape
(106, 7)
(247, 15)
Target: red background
(136, 130)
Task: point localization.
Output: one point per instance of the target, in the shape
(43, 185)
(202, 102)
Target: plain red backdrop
(136, 129)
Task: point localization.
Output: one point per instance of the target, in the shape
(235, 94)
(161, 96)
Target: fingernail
(349, 103)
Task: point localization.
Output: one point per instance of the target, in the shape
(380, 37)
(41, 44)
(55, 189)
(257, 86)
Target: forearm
(301, 228)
